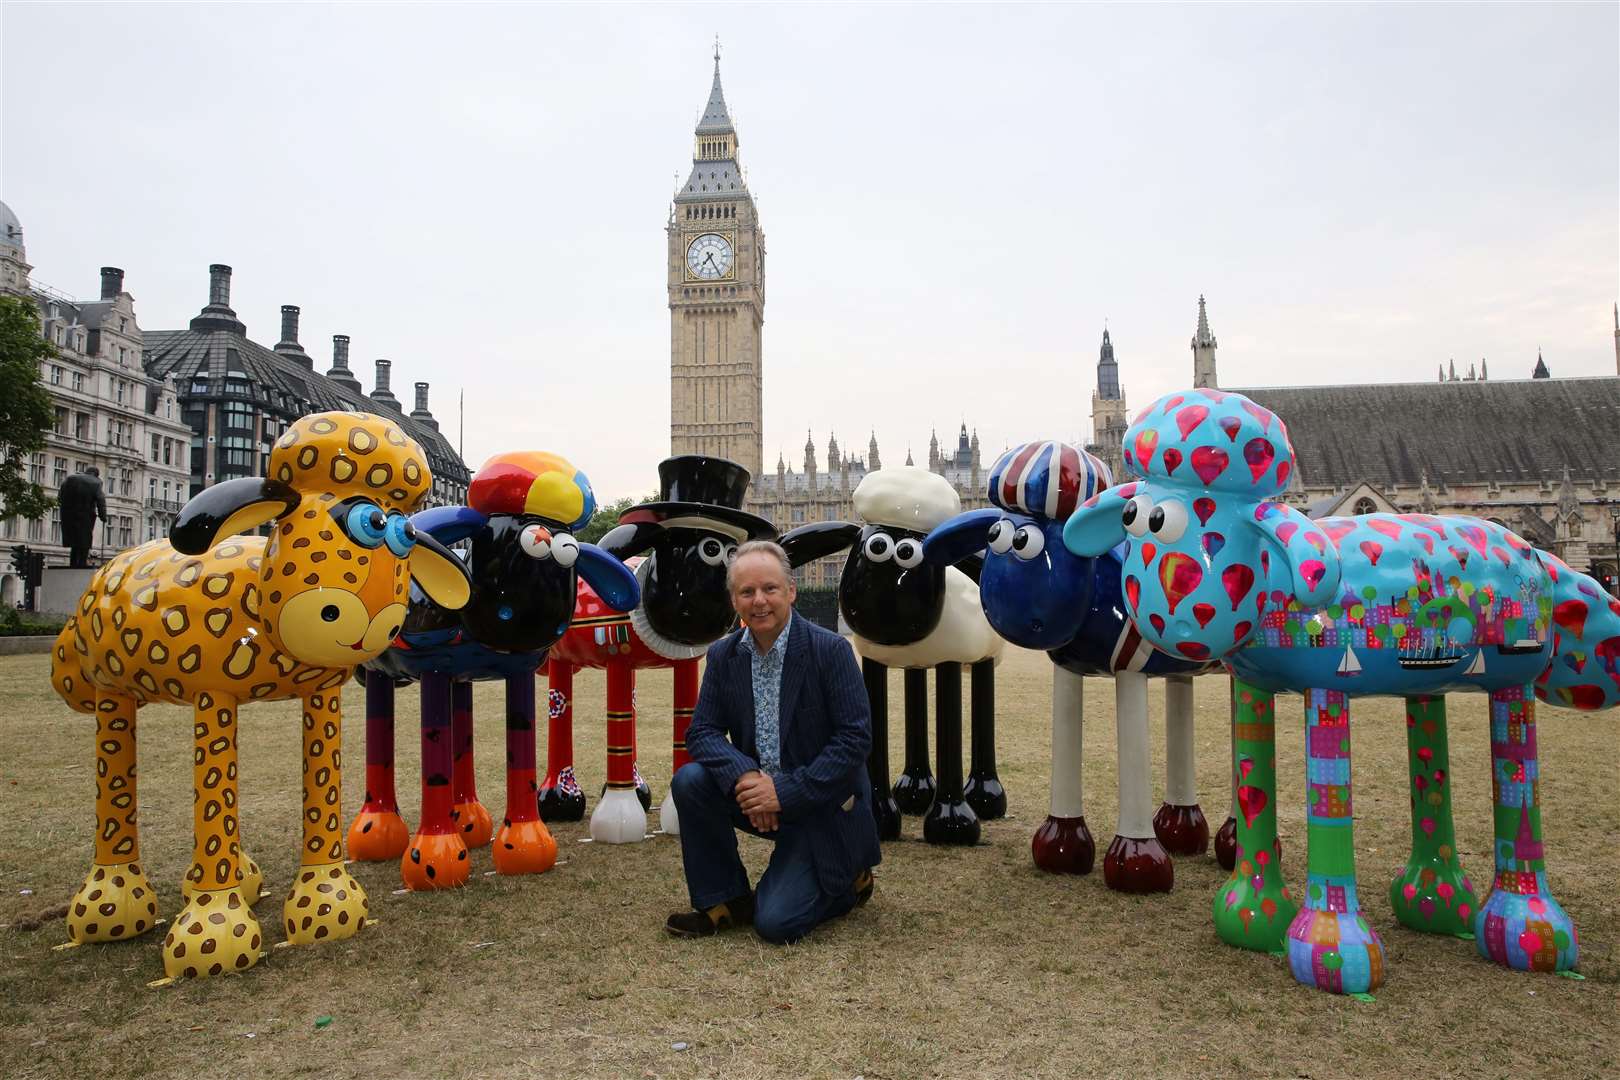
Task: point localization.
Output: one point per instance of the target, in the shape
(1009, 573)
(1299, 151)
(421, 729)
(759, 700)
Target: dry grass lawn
(967, 963)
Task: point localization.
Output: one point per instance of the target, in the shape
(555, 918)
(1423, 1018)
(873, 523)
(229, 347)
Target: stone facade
(109, 413)
(716, 275)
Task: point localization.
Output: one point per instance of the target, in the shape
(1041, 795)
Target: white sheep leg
(1136, 861)
(1180, 824)
(1063, 844)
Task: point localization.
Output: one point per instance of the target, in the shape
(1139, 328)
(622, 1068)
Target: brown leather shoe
(738, 911)
(863, 886)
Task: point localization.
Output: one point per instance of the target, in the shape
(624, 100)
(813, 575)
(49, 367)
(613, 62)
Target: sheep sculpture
(912, 614)
(524, 562)
(214, 621)
(1410, 605)
(1038, 595)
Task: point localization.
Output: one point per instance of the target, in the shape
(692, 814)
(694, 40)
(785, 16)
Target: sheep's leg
(1180, 824)
(914, 790)
(325, 902)
(1226, 837)
(983, 789)
(884, 808)
(216, 931)
(378, 832)
(620, 817)
(116, 900)
(1521, 925)
(686, 692)
(523, 844)
(1253, 909)
(469, 814)
(950, 820)
(436, 857)
(1135, 861)
(561, 798)
(643, 789)
(1433, 893)
(1063, 844)
(1330, 944)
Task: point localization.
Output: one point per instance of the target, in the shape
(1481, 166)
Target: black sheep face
(522, 569)
(888, 594)
(684, 594)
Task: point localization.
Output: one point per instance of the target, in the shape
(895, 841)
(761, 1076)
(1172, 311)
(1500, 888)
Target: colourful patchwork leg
(326, 903)
(436, 857)
(216, 931)
(116, 900)
(620, 817)
(1253, 909)
(686, 692)
(378, 832)
(1433, 893)
(560, 796)
(523, 844)
(1180, 824)
(1521, 925)
(1063, 844)
(1330, 945)
(470, 815)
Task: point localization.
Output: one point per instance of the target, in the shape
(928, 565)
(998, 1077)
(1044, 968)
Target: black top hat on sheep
(692, 530)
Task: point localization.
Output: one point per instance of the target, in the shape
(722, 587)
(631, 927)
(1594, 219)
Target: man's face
(762, 594)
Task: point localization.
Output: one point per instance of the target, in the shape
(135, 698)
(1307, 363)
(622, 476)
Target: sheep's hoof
(1137, 865)
(985, 794)
(914, 792)
(1226, 844)
(619, 818)
(1183, 830)
(1335, 951)
(561, 799)
(1064, 846)
(1534, 933)
(887, 814)
(951, 823)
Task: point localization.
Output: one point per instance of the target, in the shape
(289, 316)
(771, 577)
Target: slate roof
(712, 179)
(1462, 433)
(716, 120)
(217, 345)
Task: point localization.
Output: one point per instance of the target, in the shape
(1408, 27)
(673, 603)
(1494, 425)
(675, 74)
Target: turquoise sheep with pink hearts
(1410, 605)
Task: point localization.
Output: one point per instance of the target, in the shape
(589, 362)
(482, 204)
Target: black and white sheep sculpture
(907, 613)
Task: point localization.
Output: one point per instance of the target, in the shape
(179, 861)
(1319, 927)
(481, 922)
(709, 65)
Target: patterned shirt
(767, 671)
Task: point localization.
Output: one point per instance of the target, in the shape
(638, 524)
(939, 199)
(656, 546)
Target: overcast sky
(955, 199)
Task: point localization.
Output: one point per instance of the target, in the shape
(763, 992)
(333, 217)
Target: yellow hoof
(214, 934)
(325, 904)
(252, 887)
(115, 902)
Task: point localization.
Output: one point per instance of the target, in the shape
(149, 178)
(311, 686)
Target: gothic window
(1365, 505)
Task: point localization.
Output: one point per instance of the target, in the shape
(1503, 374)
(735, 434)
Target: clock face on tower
(709, 257)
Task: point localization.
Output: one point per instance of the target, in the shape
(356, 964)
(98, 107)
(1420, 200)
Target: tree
(605, 518)
(26, 413)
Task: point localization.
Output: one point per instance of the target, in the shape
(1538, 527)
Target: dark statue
(81, 501)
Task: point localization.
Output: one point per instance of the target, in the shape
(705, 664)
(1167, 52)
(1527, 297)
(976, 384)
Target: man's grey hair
(759, 547)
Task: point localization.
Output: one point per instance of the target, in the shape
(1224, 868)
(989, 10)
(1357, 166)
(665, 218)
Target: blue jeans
(789, 902)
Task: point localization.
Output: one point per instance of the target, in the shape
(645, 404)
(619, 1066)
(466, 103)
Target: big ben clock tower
(716, 272)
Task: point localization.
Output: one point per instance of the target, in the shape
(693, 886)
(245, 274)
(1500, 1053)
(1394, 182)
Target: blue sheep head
(1034, 592)
(1206, 550)
(1584, 672)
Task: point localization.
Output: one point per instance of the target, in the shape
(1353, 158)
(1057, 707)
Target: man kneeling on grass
(779, 740)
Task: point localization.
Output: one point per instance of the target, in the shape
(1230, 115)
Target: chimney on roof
(381, 394)
(219, 285)
(112, 282)
(340, 372)
(217, 313)
(421, 412)
(288, 345)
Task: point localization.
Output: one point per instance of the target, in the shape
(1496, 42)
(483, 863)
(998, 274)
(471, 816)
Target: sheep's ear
(1096, 526)
(954, 540)
(448, 524)
(439, 574)
(613, 581)
(808, 543)
(631, 539)
(1303, 549)
(226, 509)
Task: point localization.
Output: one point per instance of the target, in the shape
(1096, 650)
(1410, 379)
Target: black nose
(330, 613)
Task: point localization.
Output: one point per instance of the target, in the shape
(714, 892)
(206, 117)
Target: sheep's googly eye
(565, 549)
(712, 551)
(1028, 542)
(536, 541)
(1135, 515)
(1168, 520)
(1001, 536)
(731, 554)
(879, 548)
(908, 553)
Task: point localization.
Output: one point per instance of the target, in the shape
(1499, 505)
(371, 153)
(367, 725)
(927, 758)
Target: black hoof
(914, 792)
(558, 805)
(986, 795)
(951, 823)
(887, 815)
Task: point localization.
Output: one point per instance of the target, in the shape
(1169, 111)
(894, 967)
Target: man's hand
(764, 821)
(756, 794)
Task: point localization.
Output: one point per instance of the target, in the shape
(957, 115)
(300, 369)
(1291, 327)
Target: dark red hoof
(1064, 846)
(1183, 830)
(1226, 844)
(1138, 866)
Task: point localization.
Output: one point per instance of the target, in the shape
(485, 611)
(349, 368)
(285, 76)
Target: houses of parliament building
(1536, 454)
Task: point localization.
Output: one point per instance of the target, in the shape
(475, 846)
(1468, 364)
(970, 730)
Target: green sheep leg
(1253, 909)
(1433, 893)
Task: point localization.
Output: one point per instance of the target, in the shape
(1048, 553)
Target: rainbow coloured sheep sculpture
(1393, 604)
